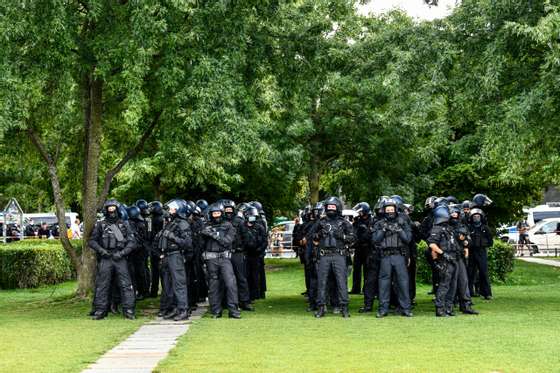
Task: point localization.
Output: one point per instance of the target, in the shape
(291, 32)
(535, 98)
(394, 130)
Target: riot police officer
(333, 235)
(112, 239)
(362, 225)
(197, 225)
(253, 237)
(138, 258)
(172, 241)
(156, 225)
(392, 234)
(238, 256)
(218, 235)
(462, 240)
(481, 239)
(444, 253)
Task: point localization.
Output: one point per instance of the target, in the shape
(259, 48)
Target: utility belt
(170, 251)
(207, 255)
(238, 250)
(329, 251)
(393, 251)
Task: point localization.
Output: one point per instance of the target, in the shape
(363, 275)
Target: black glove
(446, 256)
(172, 237)
(207, 232)
(117, 255)
(104, 253)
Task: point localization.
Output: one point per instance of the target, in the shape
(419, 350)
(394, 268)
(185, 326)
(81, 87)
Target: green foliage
(32, 264)
(501, 259)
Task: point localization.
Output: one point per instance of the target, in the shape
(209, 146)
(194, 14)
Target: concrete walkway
(548, 262)
(143, 350)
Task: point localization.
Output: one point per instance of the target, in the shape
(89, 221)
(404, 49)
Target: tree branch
(127, 157)
(58, 198)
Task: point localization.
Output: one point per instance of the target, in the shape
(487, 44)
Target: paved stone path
(143, 350)
(548, 262)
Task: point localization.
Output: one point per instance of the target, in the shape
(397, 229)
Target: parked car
(280, 240)
(544, 236)
(540, 212)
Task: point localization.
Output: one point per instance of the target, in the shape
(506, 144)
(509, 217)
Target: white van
(50, 218)
(538, 213)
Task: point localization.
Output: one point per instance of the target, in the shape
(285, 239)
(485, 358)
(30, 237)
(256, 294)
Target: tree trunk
(93, 109)
(314, 178)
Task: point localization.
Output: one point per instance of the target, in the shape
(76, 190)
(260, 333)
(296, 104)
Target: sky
(415, 8)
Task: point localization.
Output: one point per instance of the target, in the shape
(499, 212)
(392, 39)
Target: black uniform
(197, 225)
(425, 231)
(334, 235)
(481, 239)
(112, 240)
(138, 257)
(363, 229)
(172, 241)
(393, 235)
(361, 251)
(462, 240)
(218, 239)
(254, 235)
(156, 227)
(239, 262)
(444, 237)
(310, 255)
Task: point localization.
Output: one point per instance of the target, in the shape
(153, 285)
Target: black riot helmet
(213, 208)
(111, 215)
(466, 204)
(142, 204)
(481, 200)
(333, 206)
(386, 203)
(251, 214)
(181, 208)
(203, 204)
(408, 208)
(398, 200)
(242, 207)
(134, 212)
(123, 214)
(441, 214)
(318, 210)
(476, 216)
(452, 200)
(228, 205)
(156, 208)
(380, 201)
(455, 209)
(362, 209)
(440, 201)
(429, 204)
(306, 214)
(257, 205)
(191, 205)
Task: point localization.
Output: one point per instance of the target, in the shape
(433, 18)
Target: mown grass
(47, 330)
(519, 331)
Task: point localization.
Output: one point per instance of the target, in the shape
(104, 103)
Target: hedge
(32, 263)
(500, 262)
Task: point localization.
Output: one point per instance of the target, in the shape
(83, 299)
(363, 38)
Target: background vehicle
(544, 237)
(540, 212)
(280, 240)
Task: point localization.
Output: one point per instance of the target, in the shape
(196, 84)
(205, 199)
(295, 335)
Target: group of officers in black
(384, 243)
(195, 250)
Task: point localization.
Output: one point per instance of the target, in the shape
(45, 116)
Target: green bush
(31, 264)
(500, 262)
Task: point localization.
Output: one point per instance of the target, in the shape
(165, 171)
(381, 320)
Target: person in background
(76, 233)
(44, 231)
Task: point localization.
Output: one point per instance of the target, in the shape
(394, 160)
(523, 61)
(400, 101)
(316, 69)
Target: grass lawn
(519, 331)
(46, 330)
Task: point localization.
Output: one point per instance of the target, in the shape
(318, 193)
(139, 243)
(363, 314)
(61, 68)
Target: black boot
(344, 311)
(98, 315)
(320, 311)
(161, 313)
(365, 309)
(469, 311)
(440, 312)
(217, 315)
(170, 314)
(181, 315)
(381, 314)
(129, 314)
(234, 315)
(246, 307)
